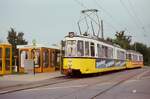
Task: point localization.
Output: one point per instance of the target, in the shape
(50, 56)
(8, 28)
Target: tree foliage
(15, 39)
(122, 40)
(125, 42)
(143, 49)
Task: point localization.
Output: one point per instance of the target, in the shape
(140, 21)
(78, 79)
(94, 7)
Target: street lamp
(34, 49)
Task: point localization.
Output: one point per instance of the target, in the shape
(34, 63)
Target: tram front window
(80, 48)
(70, 48)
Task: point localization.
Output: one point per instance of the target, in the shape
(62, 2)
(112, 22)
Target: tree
(15, 39)
(122, 40)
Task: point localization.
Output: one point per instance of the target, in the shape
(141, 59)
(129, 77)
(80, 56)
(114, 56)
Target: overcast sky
(48, 21)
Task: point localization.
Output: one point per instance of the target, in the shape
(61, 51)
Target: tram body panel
(84, 65)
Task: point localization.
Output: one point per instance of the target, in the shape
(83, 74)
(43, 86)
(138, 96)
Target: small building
(5, 58)
(45, 59)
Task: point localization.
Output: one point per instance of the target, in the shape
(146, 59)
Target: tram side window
(110, 52)
(135, 57)
(70, 48)
(121, 55)
(92, 48)
(103, 52)
(99, 50)
(80, 48)
(0, 58)
(86, 48)
(140, 58)
(129, 56)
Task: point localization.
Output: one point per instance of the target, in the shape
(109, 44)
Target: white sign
(28, 65)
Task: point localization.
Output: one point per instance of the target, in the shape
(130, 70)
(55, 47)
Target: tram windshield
(71, 48)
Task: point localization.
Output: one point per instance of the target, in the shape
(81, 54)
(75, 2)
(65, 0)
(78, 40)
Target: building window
(7, 57)
(80, 48)
(0, 58)
(53, 58)
(45, 58)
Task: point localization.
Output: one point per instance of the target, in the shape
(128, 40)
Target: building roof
(38, 46)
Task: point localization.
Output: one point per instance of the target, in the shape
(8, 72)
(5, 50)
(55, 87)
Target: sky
(48, 21)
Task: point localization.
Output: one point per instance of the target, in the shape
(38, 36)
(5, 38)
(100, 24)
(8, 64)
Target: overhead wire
(81, 4)
(106, 12)
(136, 16)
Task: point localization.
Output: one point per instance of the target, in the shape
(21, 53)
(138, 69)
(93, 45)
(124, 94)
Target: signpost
(34, 49)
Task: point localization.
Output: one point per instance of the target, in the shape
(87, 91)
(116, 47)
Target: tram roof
(97, 39)
(133, 51)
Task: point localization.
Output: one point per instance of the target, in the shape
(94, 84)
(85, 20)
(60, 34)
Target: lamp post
(34, 49)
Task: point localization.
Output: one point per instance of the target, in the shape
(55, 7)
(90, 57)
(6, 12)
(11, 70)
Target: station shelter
(46, 59)
(5, 58)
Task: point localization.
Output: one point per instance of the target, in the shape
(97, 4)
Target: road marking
(76, 86)
(107, 83)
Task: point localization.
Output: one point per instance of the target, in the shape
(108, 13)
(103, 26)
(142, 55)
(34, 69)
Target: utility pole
(102, 30)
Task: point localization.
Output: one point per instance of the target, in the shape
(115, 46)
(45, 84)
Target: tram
(91, 55)
(87, 53)
(134, 59)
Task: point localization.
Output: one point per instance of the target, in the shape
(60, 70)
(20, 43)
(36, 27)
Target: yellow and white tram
(84, 54)
(134, 59)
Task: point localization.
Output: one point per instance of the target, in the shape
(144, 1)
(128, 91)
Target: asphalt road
(126, 84)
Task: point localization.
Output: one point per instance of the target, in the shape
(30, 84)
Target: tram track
(119, 83)
(98, 80)
(102, 81)
(32, 85)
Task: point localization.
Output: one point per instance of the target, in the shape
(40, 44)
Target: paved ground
(12, 80)
(127, 84)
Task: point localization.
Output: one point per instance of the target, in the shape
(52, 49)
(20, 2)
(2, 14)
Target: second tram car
(134, 59)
